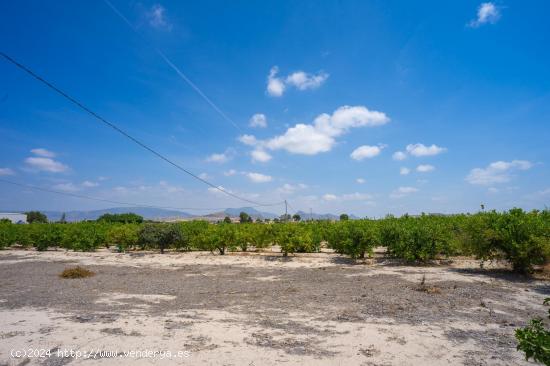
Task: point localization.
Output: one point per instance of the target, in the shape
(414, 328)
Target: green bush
(83, 236)
(416, 238)
(293, 238)
(534, 339)
(159, 236)
(124, 236)
(519, 237)
(7, 234)
(355, 238)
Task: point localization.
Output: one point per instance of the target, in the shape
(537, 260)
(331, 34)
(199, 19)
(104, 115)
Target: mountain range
(174, 215)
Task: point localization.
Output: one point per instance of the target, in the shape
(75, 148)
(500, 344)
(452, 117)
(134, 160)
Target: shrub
(534, 339)
(36, 216)
(76, 272)
(416, 239)
(7, 234)
(355, 238)
(124, 218)
(293, 238)
(160, 236)
(124, 236)
(519, 237)
(83, 236)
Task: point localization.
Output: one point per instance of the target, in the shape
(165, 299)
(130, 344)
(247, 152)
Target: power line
(127, 135)
(174, 67)
(36, 188)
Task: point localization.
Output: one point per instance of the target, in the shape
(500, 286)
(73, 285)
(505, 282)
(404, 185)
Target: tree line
(522, 238)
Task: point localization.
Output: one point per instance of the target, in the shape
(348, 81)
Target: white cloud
(403, 191)
(366, 152)
(329, 197)
(203, 176)
(66, 187)
(425, 168)
(423, 150)
(46, 164)
(320, 136)
(258, 120)
(230, 172)
(404, 171)
(275, 85)
(248, 140)
(399, 155)
(497, 172)
(43, 152)
(89, 184)
(348, 197)
(291, 188)
(156, 17)
(304, 81)
(258, 178)
(360, 180)
(301, 80)
(6, 171)
(260, 155)
(486, 13)
(218, 158)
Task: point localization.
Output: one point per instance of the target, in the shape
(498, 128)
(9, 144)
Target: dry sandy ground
(258, 309)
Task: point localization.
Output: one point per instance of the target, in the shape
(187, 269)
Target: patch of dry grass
(76, 272)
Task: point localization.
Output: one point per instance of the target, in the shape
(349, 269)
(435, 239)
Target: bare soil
(261, 309)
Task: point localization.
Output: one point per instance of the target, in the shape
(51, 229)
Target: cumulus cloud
(230, 172)
(260, 155)
(360, 180)
(366, 152)
(423, 150)
(404, 171)
(43, 152)
(156, 17)
(291, 188)
(300, 80)
(275, 85)
(320, 136)
(258, 120)
(6, 171)
(347, 197)
(403, 191)
(304, 81)
(203, 176)
(218, 158)
(486, 13)
(399, 155)
(45, 164)
(258, 178)
(425, 168)
(497, 172)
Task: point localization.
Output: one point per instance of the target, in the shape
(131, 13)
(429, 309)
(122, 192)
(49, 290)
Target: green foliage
(7, 234)
(344, 217)
(521, 238)
(244, 217)
(294, 238)
(354, 238)
(124, 218)
(160, 236)
(296, 217)
(227, 220)
(83, 236)
(36, 217)
(124, 236)
(534, 339)
(416, 238)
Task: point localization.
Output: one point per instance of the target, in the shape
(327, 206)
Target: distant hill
(234, 212)
(174, 215)
(147, 213)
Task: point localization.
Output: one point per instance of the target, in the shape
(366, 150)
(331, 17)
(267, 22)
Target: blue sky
(339, 106)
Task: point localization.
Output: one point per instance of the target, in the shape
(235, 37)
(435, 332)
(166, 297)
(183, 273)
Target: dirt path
(313, 309)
